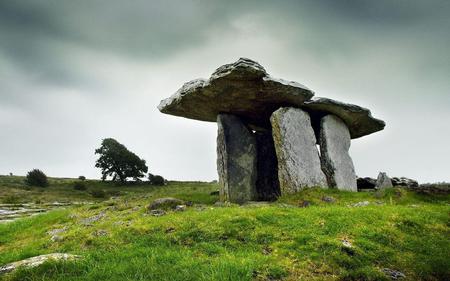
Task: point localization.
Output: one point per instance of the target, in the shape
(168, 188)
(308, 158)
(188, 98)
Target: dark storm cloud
(72, 72)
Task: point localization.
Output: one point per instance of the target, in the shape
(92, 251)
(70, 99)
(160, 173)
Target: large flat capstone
(358, 119)
(297, 154)
(236, 160)
(242, 88)
(336, 161)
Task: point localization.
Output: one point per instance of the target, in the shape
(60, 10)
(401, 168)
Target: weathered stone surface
(242, 88)
(267, 185)
(165, 203)
(336, 162)
(236, 160)
(404, 182)
(297, 154)
(383, 181)
(359, 120)
(36, 261)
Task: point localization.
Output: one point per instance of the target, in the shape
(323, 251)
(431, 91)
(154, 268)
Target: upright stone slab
(383, 181)
(297, 154)
(236, 160)
(336, 162)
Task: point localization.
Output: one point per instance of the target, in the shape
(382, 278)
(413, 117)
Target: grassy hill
(300, 237)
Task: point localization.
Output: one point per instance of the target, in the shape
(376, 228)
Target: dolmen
(273, 137)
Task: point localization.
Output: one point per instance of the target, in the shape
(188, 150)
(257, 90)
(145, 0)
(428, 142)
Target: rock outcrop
(236, 160)
(336, 162)
(297, 154)
(36, 261)
(383, 181)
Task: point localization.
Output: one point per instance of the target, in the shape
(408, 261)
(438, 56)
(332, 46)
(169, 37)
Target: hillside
(314, 235)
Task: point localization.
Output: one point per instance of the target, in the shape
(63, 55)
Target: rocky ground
(393, 234)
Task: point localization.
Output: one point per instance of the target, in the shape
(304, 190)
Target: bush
(156, 179)
(79, 185)
(82, 178)
(98, 193)
(36, 178)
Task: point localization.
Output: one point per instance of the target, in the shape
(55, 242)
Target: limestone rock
(297, 154)
(36, 261)
(366, 183)
(242, 88)
(336, 162)
(404, 182)
(383, 181)
(165, 203)
(236, 160)
(359, 120)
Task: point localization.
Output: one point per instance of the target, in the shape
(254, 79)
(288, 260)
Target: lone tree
(36, 178)
(117, 161)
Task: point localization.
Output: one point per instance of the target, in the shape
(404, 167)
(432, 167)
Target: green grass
(279, 241)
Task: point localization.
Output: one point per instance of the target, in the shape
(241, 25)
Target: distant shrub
(82, 178)
(156, 179)
(99, 193)
(79, 185)
(36, 178)
(11, 199)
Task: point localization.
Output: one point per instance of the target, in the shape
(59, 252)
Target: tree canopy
(117, 161)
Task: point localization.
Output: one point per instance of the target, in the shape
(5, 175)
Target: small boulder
(393, 274)
(36, 261)
(360, 204)
(157, 212)
(328, 199)
(366, 183)
(383, 181)
(165, 203)
(180, 208)
(404, 182)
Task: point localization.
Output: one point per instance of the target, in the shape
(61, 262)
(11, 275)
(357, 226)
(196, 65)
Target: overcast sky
(74, 72)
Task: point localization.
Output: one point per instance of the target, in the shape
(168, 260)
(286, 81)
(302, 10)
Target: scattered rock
(393, 274)
(383, 181)
(304, 204)
(170, 230)
(36, 261)
(180, 208)
(91, 220)
(404, 182)
(267, 250)
(335, 159)
(366, 183)
(236, 160)
(100, 232)
(56, 238)
(360, 204)
(165, 203)
(328, 199)
(57, 231)
(297, 154)
(157, 212)
(346, 243)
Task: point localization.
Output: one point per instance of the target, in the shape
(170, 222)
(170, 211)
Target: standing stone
(267, 184)
(383, 181)
(236, 160)
(336, 162)
(297, 154)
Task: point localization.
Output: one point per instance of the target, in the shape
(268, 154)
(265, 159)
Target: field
(314, 235)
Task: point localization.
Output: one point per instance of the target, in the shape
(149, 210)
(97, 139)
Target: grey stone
(267, 184)
(180, 208)
(361, 204)
(165, 203)
(297, 154)
(236, 160)
(242, 88)
(328, 199)
(366, 183)
(383, 181)
(157, 212)
(335, 159)
(404, 182)
(91, 220)
(393, 274)
(36, 261)
(359, 120)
